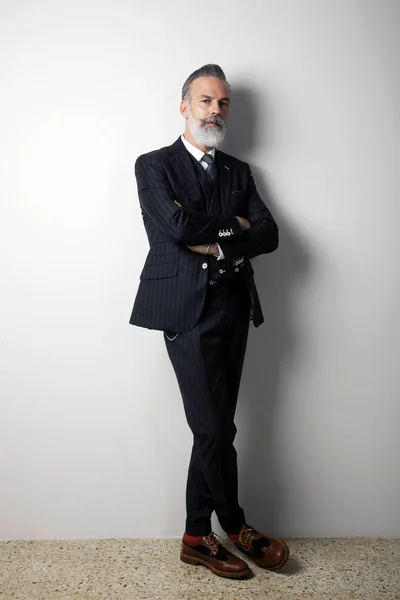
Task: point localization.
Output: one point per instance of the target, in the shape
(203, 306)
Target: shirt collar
(196, 152)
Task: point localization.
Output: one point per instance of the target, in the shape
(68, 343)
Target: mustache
(217, 120)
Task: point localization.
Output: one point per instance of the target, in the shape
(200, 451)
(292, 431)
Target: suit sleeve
(180, 225)
(262, 238)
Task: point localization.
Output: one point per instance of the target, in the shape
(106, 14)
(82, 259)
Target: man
(205, 220)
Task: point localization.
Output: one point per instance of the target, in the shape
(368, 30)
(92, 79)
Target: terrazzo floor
(113, 569)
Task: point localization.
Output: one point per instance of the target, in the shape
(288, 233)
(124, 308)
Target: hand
(244, 223)
(201, 249)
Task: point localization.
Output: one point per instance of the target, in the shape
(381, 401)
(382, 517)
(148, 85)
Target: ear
(184, 109)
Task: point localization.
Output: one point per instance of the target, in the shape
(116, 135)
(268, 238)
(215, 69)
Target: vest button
(237, 269)
(204, 265)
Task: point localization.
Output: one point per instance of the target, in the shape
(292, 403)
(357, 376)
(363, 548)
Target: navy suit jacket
(174, 279)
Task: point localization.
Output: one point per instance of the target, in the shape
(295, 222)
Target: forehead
(209, 86)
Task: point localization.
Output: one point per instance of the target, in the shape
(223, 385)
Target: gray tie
(211, 170)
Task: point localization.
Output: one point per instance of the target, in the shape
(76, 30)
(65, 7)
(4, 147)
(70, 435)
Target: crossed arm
(213, 248)
(263, 235)
(249, 237)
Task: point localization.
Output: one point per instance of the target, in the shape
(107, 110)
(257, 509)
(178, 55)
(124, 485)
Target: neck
(188, 136)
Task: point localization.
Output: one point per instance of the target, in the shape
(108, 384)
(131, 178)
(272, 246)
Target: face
(206, 112)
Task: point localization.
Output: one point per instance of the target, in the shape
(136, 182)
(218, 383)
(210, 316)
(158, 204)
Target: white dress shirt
(198, 155)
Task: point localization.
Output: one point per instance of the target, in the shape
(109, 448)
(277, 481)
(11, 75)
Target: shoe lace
(245, 538)
(212, 540)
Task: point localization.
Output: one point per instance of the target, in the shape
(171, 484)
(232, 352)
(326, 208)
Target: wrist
(214, 250)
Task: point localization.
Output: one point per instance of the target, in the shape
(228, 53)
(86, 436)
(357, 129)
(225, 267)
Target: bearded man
(205, 220)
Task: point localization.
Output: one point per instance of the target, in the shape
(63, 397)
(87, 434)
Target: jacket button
(204, 265)
(237, 270)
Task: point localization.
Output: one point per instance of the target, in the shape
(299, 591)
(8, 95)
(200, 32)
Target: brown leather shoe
(269, 553)
(210, 553)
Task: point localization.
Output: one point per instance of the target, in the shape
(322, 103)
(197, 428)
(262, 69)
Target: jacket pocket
(161, 271)
(160, 259)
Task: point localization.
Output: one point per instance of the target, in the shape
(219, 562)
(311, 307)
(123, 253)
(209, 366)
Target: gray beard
(206, 136)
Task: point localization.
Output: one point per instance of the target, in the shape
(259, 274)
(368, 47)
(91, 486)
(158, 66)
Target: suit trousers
(208, 362)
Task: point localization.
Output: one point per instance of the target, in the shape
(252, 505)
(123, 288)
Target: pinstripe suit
(205, 326)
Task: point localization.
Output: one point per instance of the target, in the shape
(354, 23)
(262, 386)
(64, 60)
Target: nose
(216, 109)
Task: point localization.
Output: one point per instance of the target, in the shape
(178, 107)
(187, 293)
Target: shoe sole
(193, 560)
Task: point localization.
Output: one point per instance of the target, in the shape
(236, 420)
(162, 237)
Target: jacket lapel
(225, 181)
(186, 176)
(195, 184)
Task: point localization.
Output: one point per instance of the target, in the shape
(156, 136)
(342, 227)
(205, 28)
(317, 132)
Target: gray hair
(204, 71)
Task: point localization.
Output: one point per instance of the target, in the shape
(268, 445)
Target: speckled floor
(111, 569)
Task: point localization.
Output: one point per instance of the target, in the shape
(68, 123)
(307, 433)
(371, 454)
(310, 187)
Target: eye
(206, 100)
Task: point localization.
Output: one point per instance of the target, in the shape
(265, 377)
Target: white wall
(93, 440)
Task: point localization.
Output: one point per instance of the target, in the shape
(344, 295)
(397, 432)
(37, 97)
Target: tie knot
(208, 159)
